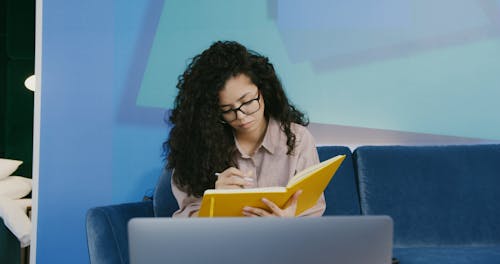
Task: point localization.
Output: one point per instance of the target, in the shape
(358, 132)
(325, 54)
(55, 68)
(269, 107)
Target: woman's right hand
(232, 178)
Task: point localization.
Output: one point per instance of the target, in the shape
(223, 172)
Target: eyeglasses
(247, 108)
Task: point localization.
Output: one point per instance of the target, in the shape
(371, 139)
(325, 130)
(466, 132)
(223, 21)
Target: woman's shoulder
(303, 136)
(278, 137)
(299, 129)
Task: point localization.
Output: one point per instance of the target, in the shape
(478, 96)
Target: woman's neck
(251, 141)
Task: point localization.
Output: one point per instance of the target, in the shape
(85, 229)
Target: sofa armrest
(107, 236)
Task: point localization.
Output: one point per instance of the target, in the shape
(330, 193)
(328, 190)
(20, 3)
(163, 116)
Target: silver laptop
(337, 239)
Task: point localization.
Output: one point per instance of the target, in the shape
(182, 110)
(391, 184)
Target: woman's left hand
(288, 210)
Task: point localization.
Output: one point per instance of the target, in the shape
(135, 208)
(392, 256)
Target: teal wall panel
(414, 66)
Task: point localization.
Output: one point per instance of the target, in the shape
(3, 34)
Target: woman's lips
(246, 125)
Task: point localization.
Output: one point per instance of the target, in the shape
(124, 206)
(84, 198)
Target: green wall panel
(19, 115)
(3, 94)
(17, 27)
(20, 29)
(10, 251)
(2, 18)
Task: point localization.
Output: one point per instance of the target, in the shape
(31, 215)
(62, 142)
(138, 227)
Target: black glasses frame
(235, 110)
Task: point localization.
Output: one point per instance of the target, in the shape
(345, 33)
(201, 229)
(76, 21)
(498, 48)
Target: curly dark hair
(199, 143)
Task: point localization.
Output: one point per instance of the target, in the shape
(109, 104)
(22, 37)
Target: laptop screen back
(338, 239)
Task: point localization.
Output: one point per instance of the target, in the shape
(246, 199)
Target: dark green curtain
(19, 64)
(17, 50)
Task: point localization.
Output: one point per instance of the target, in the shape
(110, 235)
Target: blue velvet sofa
(444, 201)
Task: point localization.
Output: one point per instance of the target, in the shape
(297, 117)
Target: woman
(233, 127)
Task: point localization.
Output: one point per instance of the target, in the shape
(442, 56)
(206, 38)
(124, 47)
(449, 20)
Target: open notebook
(312, 181)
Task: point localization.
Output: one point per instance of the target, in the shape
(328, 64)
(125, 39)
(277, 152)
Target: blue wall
(76, 133)
(109, 70)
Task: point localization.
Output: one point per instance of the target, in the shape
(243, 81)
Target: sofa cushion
(8, 166)
(448, 255)
(437, 195)
(341, 194)
(15, 187)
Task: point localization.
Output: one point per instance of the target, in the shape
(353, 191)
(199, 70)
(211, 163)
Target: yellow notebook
(312, 181)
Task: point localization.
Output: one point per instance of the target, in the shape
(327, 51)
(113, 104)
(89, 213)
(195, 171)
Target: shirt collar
(270, 141)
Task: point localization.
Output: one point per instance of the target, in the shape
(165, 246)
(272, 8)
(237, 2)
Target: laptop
(329, 239)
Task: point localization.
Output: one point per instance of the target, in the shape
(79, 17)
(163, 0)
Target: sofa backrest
(164, 203)
(341, 194)
(436, 195)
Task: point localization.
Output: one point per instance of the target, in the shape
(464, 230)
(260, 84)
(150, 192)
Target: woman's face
(240, 93)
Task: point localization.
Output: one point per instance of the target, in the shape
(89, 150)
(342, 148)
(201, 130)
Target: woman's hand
(289, 210)
(232, 178)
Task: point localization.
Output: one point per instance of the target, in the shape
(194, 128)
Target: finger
(231, 186)
(223, 181)
(238, 181)
(256, 211)
(249, 214)
(293, 200)
(231, 171)
(274, 208)
(227, 184)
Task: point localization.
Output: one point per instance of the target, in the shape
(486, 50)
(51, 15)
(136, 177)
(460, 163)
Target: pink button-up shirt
(270, 166)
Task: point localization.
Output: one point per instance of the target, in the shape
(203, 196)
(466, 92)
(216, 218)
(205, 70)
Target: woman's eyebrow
(239, 99)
